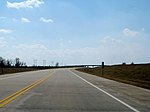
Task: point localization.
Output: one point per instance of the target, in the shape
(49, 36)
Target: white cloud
(110, 40)
(46, 20)
(36, 50)
(31, 46)
(69, 41)
(5, 31)
(25, 20)
(110, 54)
(14, 19)
(2, 18)
(143, 29)
(3, 42)
(25, 4)
(2, 38)
(130, 33)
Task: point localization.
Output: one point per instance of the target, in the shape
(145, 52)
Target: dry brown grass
(15, 70)
(136, 74)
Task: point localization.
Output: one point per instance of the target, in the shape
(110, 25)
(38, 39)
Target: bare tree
(57, 64)
(2, 64)
(123, 63)
(22, 64)
(132, 63)
(17, 62)
(9, 62)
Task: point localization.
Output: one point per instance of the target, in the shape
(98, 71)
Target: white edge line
(132, 108)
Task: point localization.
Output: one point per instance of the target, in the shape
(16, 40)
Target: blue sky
(75, 31)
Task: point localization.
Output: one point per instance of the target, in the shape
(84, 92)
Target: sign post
(103, 68)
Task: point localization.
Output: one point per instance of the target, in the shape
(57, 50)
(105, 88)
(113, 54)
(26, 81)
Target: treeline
(11, 62)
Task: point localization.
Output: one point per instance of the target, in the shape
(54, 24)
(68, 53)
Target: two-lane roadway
(60, 90)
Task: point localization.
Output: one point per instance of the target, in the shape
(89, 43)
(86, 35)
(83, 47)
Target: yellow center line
(13, 96)
(18, 91)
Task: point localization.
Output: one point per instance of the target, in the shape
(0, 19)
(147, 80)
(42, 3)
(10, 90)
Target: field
(135, 74)
(8, 70)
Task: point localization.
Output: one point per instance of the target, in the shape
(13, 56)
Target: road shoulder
(134, 96)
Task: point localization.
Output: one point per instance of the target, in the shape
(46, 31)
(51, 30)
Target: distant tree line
(11, 63)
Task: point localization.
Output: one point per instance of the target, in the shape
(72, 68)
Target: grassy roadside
(8, 70)
(136, 74)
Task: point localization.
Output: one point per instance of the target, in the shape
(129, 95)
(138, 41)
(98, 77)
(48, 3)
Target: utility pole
(52, 63)
(35, 62)
(44, 63)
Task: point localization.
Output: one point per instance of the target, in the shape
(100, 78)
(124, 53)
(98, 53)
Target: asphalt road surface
(66, 90)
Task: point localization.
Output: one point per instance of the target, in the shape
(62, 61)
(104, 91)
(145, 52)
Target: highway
(67, 90)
